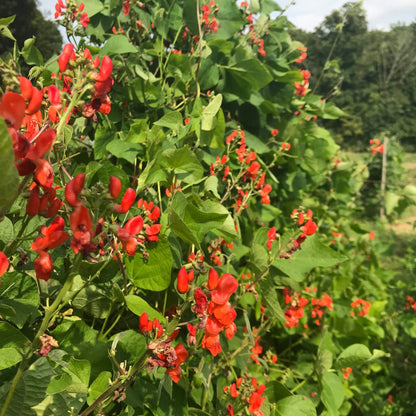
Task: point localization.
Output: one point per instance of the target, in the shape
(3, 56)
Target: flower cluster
(209, 19)
(303, 54)
(362, 305)
(346, 372)
(72, 12)
(376, 146)
(248, 392)
(82, 68)
(317, 311)
(295, 310)
(217, 315)
(411, 303)
(163, 354)
(301, 88)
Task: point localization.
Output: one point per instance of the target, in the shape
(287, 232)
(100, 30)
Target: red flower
(256, 401)
(182, 283)
(227, 285)
(84, 20)
(73, 188)
(81, 225)
(213, 279)
(126, 7)
(127, 234)
(126, 202)
(175, 371)
(114, 187)
(66, 55)
(152, 232)
(54, 235)
(43, 266)
(4, 263)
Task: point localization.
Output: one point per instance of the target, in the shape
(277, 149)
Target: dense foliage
(179, 235)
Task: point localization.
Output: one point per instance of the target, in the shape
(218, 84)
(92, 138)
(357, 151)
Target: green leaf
(208, 120)
(92, 7)
(11, 336)
(172, 120)
(117, 44)
(313, 254)
(184, 163)
(131, 346)
(210, 185)
(139, 306)
(154, 272)
(245, 76)
(276, 391)
(332, 394)
(269, 295)
(98, 386)
(295, 405)
(74, 379)
(9, 357)
(124, 150)
(6, 230)
(10, 178)
(4, 30)
(31, 53)
(353, 356)
(93, 301)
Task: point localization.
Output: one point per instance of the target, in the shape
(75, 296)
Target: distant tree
(29, 22)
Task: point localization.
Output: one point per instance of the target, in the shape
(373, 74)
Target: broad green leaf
(98, 386)
(9, 357)
(295, 405)
(94, 301)
(229, 18)
(6, 230)
(10, 177)
(124, 150)
(117, 44)
(172, 120)
(11, 336)
(92, 7)
(332, 394)
(247, 75)
(313, 254)
(183, 162)
(153, 272)
(353, 356)
(391, 201)
(139, 306)
(74, 379)
(131, 346)
(31, 53)
(269, 296)
(210, 185)
(209, 114)
(4, 30)
(276, 391)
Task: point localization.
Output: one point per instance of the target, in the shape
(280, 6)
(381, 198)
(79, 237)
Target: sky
(307, 14)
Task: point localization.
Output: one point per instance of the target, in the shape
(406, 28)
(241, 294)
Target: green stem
(35, 343)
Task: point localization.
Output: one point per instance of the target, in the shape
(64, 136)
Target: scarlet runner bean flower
(220, 313)
(4, 263)
(127, 234)
(53, 236)
(365, 307)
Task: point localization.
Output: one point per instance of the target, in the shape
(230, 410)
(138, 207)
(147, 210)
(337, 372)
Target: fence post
(383, 178)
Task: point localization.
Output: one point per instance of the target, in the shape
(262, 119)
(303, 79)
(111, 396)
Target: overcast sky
(307, 14)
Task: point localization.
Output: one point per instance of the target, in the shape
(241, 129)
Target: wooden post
(383, 178)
